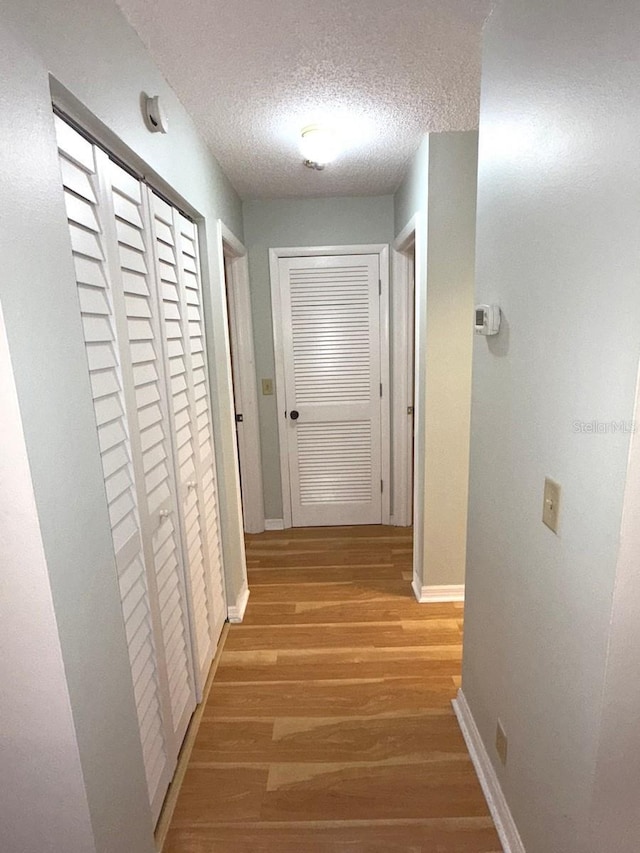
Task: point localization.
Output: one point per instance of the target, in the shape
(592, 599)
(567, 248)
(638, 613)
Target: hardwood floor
(329, 725)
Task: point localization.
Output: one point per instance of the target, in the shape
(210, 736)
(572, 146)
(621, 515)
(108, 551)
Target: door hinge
(382, 485)
(379, 287)
(381, 389)
(239, 419)
(409, 410)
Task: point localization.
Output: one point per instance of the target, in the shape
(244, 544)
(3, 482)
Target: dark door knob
(294, 415)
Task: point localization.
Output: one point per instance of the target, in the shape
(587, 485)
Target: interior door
(331, 340)
(89, 219)
(137, 310)
(140, 298)
(176, 268)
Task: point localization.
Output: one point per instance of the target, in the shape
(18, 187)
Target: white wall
(300, 222)
(615, 819)
(440, 186)
(38, 749)
(558, 247)
(87, 46)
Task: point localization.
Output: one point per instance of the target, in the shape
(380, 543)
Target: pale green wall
(451, 229)
(411, 195)
(558, 249)
(301, 222)
(440, 187)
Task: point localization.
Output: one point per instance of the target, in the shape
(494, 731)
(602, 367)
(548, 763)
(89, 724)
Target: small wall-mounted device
(487, 319)
(154, 115)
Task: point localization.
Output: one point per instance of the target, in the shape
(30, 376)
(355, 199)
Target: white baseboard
(235, 612)
(274, 524)
(500, 812)
(416, 586)
(426, 594)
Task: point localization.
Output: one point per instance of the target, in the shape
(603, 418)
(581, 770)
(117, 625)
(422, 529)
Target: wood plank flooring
(329, 727)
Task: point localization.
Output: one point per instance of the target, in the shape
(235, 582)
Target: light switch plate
(551, 505)
(267, 387)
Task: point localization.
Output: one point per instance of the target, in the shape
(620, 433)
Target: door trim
(403, 256)
(416, 231)
(242, 347)
(382, 250)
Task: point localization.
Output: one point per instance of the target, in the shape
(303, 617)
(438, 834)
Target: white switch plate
(551, 505)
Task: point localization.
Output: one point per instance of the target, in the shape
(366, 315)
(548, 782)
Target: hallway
(329, 725)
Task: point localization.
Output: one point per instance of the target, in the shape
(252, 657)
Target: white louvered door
(96, 295)
(137, 274)
(138, 312)
(331, 340)
(191, 290)
(177, 271)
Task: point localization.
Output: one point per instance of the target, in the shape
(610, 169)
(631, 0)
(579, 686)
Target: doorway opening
(401, 321)
(403, 359)
(235, 271)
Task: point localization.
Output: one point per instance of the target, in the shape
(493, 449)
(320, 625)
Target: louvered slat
(330, 326)
(335, 462)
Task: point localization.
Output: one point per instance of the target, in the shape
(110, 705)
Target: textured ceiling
(253, 72)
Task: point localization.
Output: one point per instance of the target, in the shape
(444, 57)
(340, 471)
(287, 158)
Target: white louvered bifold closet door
(138, 284)
(145, 383)
(191, 288)
(96, 295)
(177, 264)
(331, 342)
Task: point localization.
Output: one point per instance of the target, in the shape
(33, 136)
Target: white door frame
(402, 300)
(245, 389)
(413, 234)
(382, 250)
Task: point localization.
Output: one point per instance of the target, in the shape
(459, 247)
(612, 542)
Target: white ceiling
(252, 73)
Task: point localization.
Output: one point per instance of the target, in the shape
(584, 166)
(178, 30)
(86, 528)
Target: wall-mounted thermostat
(487, 319)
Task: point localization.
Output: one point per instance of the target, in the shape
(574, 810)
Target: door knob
(164, 513)
(294, 415)
(191, 484)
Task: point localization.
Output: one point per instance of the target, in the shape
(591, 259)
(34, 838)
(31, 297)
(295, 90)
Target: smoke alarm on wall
(154, 114)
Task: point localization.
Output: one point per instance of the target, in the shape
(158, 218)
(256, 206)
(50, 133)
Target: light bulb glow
(319, 144)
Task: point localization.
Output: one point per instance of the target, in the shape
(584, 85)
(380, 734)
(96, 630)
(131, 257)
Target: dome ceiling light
(319, 145)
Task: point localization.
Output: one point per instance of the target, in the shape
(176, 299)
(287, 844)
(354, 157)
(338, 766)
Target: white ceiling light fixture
(319, 145)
